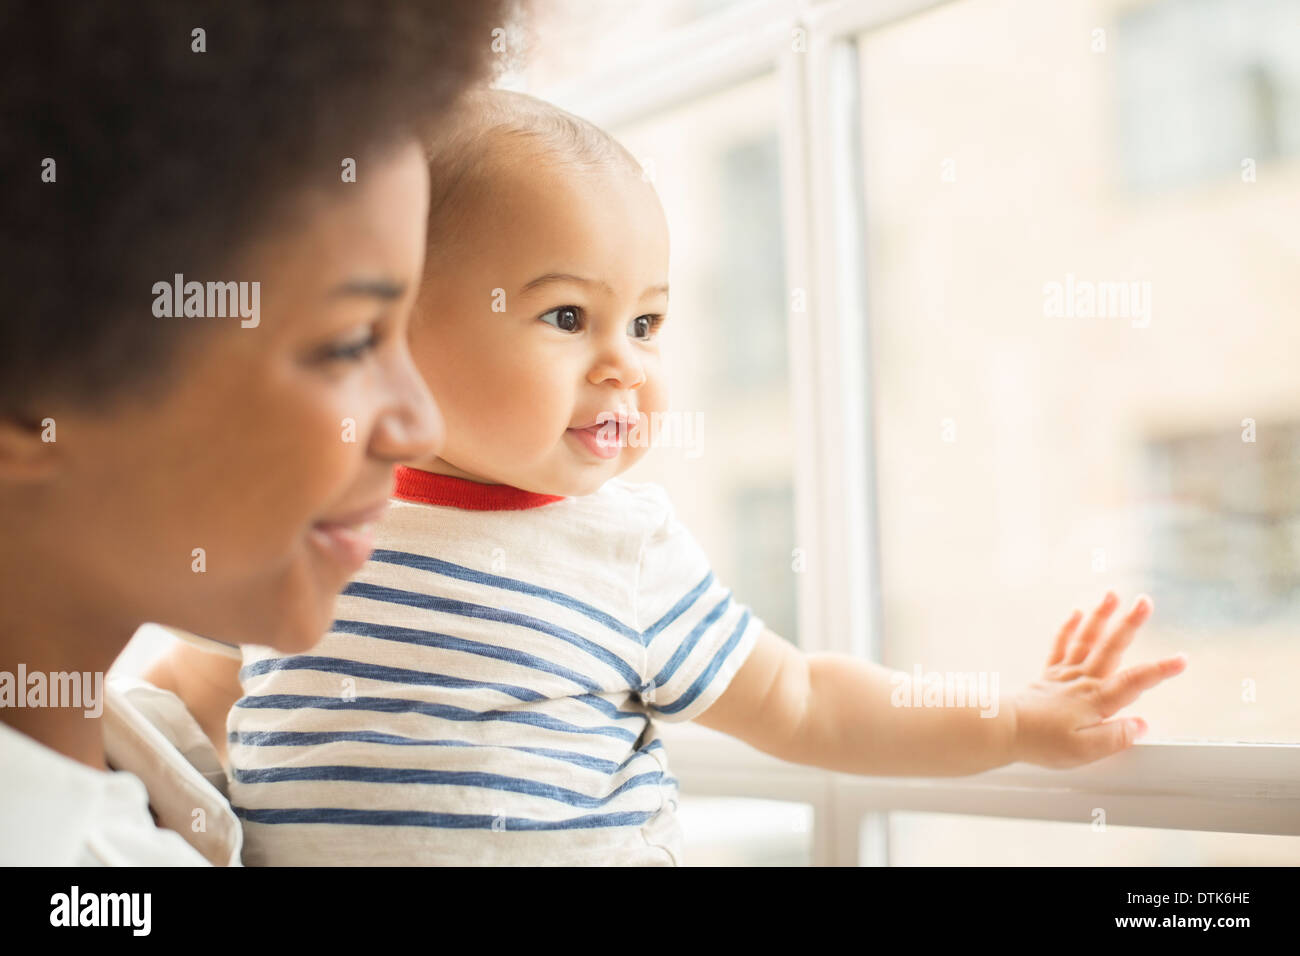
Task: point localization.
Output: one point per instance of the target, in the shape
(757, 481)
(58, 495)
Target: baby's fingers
(1063, 639)
(1110, 737)
(1129, 684)
(1106, 655)
(1092, 630)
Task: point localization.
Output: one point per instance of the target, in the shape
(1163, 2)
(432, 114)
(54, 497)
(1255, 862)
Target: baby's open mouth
(608, 433)
(603, 440)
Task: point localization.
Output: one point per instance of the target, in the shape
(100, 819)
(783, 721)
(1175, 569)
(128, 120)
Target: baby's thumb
(1113, 736)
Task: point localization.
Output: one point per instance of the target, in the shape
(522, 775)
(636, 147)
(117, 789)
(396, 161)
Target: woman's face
(275, 447)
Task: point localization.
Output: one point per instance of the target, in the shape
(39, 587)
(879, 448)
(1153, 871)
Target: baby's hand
(1061, 717)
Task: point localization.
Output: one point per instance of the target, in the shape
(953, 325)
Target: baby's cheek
(630, 455)
(654, 395)
(530, 420)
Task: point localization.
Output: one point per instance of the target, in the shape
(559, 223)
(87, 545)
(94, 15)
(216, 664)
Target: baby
(490, 688)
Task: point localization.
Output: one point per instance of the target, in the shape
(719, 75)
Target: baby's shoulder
(643, 500)
(642, 509)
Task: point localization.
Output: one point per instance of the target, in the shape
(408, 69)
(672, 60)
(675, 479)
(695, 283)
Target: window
(1203, 85)
(727, 831)
(1033, 449)
(1221, 525)
(939, 839)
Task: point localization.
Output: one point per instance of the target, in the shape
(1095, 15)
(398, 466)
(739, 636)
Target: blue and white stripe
(488, 692)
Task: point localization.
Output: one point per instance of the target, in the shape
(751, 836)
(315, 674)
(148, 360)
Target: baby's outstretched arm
(837, 712)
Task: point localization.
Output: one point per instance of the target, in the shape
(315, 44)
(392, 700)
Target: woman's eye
(644, 326)
(351, 350)
(566, 318)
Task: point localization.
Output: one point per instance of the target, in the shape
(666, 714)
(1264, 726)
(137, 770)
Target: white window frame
(1227, 787)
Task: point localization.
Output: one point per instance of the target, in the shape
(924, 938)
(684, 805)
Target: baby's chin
(578, 488)
(576, 482)
(563, 474)
(570, 486)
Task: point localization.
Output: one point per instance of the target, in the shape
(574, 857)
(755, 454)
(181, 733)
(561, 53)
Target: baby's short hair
(492, 126)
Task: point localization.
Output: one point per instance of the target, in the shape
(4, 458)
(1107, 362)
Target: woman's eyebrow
(386, 290)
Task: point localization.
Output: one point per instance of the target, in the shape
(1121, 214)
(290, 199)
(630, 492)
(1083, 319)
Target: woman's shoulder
(57, 811)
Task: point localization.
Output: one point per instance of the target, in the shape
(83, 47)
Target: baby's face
(540, 319)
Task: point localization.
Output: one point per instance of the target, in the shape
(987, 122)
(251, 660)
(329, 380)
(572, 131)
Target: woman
(214, 233)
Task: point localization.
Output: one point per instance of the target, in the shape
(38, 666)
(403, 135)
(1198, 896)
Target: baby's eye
(566, 318)
(644, 326)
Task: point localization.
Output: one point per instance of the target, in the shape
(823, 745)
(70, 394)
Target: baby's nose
(618, 365)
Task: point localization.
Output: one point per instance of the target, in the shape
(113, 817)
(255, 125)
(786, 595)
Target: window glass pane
(940, 839)
(716, 165)
(1201, 85)
(570, 39)
(1082, 284)
(727, 831)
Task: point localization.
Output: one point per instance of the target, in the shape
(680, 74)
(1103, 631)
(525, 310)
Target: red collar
(430, 489)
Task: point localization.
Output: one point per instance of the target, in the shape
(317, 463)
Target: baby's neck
(439, 467)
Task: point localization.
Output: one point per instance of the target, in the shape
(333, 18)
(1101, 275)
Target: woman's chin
(292, 631)
(301, 635)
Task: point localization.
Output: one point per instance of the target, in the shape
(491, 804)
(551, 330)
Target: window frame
(1226, 787)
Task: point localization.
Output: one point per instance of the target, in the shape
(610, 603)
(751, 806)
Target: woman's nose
(412, 426)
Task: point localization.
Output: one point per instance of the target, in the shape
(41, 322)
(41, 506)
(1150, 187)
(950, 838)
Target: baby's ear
(29, 450)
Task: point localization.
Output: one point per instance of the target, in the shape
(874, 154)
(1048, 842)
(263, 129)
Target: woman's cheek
(320, 464)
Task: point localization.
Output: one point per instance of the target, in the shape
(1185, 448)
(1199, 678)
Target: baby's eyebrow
(552, 277)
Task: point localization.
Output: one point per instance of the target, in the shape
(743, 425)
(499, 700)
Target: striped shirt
(489, 690)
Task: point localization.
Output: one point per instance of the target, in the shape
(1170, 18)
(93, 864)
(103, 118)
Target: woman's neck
(48, 635)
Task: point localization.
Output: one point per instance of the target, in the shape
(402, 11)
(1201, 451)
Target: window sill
(1187, 785)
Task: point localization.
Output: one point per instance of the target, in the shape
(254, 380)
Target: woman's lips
(593, 438)
(348, 540)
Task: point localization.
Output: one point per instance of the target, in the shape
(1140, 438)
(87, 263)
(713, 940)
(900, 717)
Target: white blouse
(55, 811)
